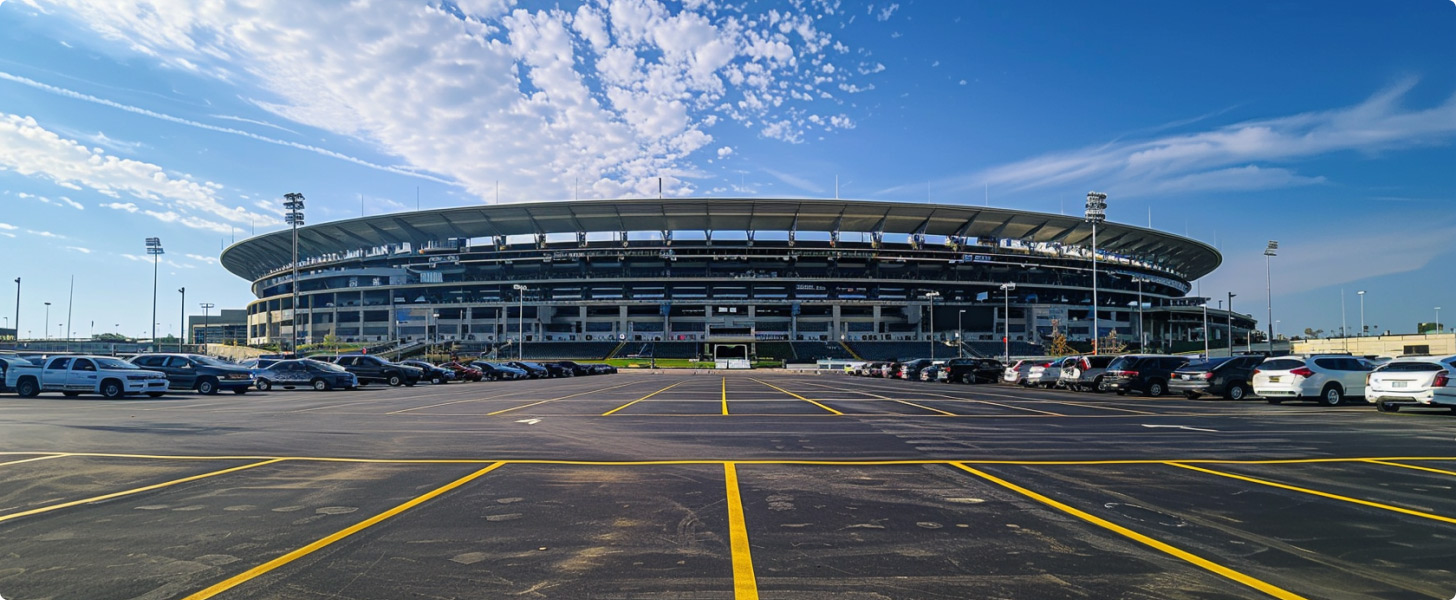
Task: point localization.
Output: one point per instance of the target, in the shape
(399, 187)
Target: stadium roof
(254, 257)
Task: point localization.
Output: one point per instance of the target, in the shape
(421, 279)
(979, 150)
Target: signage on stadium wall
(450, 258)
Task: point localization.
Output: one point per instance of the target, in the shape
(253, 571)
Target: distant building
(229, 326)
(1433, 344)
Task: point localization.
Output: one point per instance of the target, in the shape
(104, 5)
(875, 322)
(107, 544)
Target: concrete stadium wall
(1383, 345)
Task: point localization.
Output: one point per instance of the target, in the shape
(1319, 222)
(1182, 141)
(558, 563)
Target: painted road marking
(16, 462)
(797, 396)
(936, 410)
(1381, 462)
(745, 584)
(264, 568)
(725, 395)
(609, 413)
(905, 402)
(1189, 557)
(1179, 427)
(537, 403)
(46, 509)
(1293, 488)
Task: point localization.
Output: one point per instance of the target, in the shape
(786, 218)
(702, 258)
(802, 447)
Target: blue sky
(1328, 126)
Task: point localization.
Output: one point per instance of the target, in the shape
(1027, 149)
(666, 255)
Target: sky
(1326, 125)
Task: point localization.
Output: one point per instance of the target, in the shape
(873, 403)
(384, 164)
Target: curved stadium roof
(254, 257)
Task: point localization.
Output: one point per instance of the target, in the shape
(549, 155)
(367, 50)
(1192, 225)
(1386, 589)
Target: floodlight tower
(1096, 214)
(1006, 321)
(521, 321)
(1270, 252)
(293, 203)
(154, 248)
(930, 297)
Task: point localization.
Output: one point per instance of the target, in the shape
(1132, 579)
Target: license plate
(1273, 380)
(1396, 384)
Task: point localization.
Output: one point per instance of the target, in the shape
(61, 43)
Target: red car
(463, 372)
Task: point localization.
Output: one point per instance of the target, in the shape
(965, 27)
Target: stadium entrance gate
(731, 356)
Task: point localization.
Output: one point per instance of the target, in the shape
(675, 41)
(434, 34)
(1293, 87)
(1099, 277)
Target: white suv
(1328, 379)
(1411, 381)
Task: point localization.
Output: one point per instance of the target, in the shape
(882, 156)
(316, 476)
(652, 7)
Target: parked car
(971, 370)
(869, 369)
(932, 371)
(533, 370)
(1084, 373)
(463, 372)
(371, 369)
(205, 374)
(5, 363)
(1015, 373)
(1041, 374)
(257, 364)
(497, 371)
(431, 373)
(1411, 381)
(910, 369)
(110, 377)
(577, 370)
(1145, 373)
(1328, 379)
(558, 369)
(1230, 377)
(306, 372)
(601, 368)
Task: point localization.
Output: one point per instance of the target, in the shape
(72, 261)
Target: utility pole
(1231, 322)
(206, 306)
(154, 248)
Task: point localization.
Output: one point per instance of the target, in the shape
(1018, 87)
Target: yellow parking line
(1381, 462)
(725, 395)
(745, 584)
(608, 413)
(1292, 488)
(1194, 559)
(948, 414)
(798, 396)
(45, 509)
(16, 462)
(254, 572)
(503, 411)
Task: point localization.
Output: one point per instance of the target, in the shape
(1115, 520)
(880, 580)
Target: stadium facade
(568, 278)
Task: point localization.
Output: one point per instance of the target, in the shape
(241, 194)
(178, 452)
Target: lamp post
(1006, 321)
(960, 332)
(930, 297)
(1096, 214)
(293, 203)
(206, 306)
(521, 322)
(154, 248)
(1270, 252)
(1142, 326)
(1231, 322)
(17, 309)
(48, 320)
(1361, 294)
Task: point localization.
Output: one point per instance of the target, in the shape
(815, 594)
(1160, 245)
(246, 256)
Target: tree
(1312, 333)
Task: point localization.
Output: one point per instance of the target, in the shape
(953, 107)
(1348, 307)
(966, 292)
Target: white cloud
(211, 260)
(126, 206)
(45, 234)
(8, 227)
(614, 94)
(57, 201)
(725, 152)
(887, 13)
(79, 249)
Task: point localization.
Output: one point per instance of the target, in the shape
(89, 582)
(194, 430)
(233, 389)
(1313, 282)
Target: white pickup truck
(75, 375)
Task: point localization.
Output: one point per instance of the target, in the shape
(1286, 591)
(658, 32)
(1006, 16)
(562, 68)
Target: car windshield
(326, 366)
(212, 362)
(1120, 363)
(112, 363)
(1203, 364)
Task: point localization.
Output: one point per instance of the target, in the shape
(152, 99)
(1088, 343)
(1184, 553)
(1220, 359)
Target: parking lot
(706, 485)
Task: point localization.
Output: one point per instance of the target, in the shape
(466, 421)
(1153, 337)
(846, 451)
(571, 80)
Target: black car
(432, 373)
(205, 374)
(600, 368)
(306, 372)
(972, 370)
(371, 369)
(1228, 377)
(576, 369)
(1148, 374)
(910, 369)
(494, 372)
(533, 370)
(558, 370)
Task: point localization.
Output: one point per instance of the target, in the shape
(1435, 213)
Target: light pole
(1231, 322)
(1142, 326)
(1270, 252)
(293, 203)
(521, 322)
(1006, 321)
(206, 306)
(182, 319)
(154, 248)
(930, 297)
(960, 332)
(48, 320)
(1361, 294)
(1096, 214)
(17, 309)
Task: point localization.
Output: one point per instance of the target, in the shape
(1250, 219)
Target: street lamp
(182, 319)
(206, 306)
(1361, 294)
(1096, 214)
(960, 331)
(521, 321)
(293, 203)
(1006, 321)
(48, 320)
(1270, 252)
(154, 248)
(1231, 322)
(930, 297)
(1142, 326)
(17, 309)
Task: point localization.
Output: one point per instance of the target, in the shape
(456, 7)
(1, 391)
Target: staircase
(850, 351)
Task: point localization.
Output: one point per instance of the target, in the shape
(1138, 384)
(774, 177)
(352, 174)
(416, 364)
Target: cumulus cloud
(614, 93)
(58, 201)
(130, 207)
(79, 249)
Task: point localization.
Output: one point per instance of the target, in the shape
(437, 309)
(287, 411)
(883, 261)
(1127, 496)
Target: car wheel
(1191, 395)
(263, 385)
(207, 387)
(1235, 392)
(27, 388)
(1387, 407)
(111, 389)
(1155, 388)
(437, 380)
(1099, 386)
(1332, 395)
(320, 385)
(395, 381)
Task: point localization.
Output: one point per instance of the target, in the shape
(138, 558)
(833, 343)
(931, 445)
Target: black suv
(205, 374)
(972, 370)
(1227, 377)
(370, 369)
(1141, 373)
(431, 373)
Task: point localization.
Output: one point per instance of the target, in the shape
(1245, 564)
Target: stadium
(792, 279)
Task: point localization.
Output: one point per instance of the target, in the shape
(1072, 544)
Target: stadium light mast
(930, 297)
(17, 309)
(1006, 321)
(293, 203)
(154, 248)
(521, 321)
(1096, 214)
(1270, 252)
(1230, 316)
